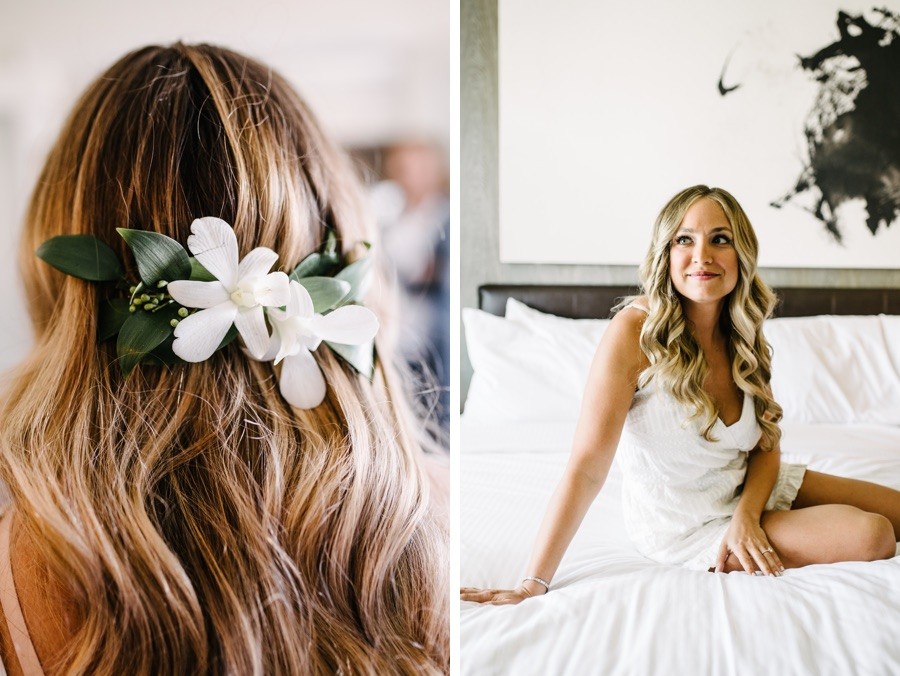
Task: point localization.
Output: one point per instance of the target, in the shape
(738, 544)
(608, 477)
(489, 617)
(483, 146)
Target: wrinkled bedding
(612, 611)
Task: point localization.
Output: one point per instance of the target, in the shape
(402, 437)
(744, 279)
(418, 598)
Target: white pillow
(519, 374)
(532, 366)
(575, 340)
(890, 324)
(836, 369)
(520, 312)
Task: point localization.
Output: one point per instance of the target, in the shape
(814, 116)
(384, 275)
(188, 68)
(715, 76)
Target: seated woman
(679, 386)
(182, 504)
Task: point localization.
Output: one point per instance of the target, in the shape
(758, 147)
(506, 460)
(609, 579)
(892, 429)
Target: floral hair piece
(185, 308)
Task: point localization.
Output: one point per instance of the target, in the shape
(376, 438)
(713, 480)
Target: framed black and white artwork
(606, 111)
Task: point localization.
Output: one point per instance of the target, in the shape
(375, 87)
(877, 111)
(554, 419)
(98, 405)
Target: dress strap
(637, 306)
(9, 599)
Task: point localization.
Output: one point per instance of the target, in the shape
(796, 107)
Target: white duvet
(612, 611)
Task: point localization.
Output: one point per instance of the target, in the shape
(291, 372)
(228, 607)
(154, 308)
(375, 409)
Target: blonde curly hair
(676, 361)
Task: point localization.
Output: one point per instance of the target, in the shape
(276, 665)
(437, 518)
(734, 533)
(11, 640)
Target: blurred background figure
(412, 206)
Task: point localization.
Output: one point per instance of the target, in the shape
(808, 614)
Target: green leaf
(325, 292)
(199, 273)
(141, 333)
(360, 357)
(113, 313)
(81, 256)
(358, 275)
(162, 354)
(231, 335)
(315, 264)
(329, 248)
(319, 264)
(158, 257)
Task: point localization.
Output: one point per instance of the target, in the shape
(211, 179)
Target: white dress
(679, 490)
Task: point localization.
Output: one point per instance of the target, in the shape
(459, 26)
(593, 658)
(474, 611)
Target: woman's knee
(875, 535)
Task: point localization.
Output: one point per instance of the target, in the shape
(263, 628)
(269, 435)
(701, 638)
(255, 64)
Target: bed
(836, 371)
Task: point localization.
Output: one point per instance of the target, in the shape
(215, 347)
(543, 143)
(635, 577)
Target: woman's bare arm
(745, 538)
(610, 388)
(762, 472)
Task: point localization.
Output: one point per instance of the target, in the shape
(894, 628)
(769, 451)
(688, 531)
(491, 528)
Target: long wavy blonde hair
(197, 522)
(676, 360)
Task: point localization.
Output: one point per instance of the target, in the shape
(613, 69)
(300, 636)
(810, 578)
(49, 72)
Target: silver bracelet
(538, 580)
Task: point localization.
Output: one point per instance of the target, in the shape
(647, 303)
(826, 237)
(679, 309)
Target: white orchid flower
(238, 296)
(298, 330)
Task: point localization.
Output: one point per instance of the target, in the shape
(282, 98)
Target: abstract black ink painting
(853, 129)
(794, 107)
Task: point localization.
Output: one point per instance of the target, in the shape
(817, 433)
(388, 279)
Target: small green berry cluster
(153, 302)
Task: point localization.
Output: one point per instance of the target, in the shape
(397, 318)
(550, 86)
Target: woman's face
(703, 262)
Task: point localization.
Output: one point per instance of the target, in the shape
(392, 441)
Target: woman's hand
(496, 597)
(747, 541)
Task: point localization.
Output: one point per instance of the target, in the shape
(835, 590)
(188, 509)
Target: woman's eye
(682, 239)
(721, 239)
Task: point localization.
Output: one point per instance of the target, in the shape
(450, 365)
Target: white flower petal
(213, 244)
(272, 350)
(302, 383)
(289, 346)
(273, 290)
(276, 314)
(252, 327)
(197, 294)
(198, 336)
(349, 325)
(257, 263)
(300, 304)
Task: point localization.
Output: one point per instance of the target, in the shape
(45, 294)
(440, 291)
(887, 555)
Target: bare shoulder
(640, 304)
(45, 604)
(622, 339)
(609, 391)
(7, 651)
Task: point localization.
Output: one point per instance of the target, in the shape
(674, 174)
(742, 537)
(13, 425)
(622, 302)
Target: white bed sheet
(614, 612)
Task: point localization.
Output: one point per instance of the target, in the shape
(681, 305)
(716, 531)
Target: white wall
(373, 72)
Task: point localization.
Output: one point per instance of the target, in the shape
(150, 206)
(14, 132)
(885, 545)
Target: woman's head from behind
(191, 499)
(171, 134)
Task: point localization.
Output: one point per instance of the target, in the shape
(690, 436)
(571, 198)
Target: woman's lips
(703, 276)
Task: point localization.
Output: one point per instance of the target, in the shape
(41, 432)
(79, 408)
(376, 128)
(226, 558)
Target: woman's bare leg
(825, 489)
(825, 534)
(833, 519)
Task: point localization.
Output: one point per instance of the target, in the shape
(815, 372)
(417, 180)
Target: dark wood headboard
(580, 302)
